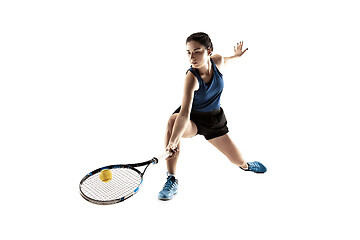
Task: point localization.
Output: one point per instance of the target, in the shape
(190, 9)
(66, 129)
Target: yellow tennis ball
(105, 175)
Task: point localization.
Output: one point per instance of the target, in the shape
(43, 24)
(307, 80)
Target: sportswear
(206, 112)
(209, 124)
(170, 188)
(256, 167)
(207, 97)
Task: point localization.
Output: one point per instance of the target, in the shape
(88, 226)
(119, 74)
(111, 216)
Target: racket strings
(123, 184)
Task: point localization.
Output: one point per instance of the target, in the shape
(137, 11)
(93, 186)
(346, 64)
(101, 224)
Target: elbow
(185, 111)
(184, 114)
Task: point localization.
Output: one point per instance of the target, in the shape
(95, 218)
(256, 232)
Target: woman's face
(197, 54)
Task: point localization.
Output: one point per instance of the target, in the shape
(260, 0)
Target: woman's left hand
(172, 148)
(238, 49)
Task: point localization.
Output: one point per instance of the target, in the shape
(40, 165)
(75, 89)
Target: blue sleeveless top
(207, 97)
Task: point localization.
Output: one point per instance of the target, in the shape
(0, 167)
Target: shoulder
(191, 81)
(218, 60)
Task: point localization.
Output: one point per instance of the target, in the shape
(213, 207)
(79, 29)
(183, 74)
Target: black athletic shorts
(209, 124)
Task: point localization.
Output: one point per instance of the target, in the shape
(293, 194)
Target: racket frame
(133, 166)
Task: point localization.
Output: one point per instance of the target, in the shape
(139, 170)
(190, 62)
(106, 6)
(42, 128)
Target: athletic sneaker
(170, 188)
(256, 167)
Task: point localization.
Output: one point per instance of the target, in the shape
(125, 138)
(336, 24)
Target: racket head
(126, 181)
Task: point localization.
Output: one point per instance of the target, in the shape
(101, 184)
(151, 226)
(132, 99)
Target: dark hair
(201, 38)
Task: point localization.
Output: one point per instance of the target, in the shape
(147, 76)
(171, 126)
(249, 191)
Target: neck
(206, 68)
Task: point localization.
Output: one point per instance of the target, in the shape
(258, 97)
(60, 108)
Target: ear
(209, 51)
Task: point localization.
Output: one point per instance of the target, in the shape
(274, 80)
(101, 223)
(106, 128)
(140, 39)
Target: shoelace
(169, 184)
(253, 166)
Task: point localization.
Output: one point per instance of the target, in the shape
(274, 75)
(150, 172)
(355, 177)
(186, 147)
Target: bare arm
(183, 119)
(238, 52)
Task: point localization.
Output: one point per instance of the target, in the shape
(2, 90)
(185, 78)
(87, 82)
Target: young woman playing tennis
(200, 111)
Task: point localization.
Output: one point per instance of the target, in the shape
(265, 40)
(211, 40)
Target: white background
(90, 83)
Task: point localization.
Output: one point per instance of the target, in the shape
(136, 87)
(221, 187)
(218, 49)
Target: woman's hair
(201, 38)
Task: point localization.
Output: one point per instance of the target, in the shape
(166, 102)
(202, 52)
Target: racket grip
(162, 156)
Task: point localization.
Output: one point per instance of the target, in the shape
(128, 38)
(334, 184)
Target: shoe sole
(247, 170)
(253, 171)
(167, 199)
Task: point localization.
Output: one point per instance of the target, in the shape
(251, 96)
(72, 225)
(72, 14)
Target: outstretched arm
(238, 52)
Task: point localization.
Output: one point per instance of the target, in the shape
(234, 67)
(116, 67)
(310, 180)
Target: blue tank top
(207, 97)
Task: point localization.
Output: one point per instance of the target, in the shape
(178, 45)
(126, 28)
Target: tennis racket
(126, 181)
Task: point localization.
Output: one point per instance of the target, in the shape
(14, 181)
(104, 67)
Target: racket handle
(160, 157)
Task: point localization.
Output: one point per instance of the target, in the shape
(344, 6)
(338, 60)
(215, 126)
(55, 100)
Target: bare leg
(190, 131)
(227, 147)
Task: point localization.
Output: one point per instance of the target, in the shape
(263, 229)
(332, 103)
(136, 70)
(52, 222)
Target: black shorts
(209, 124)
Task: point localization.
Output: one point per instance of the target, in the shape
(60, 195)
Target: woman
(200, 111)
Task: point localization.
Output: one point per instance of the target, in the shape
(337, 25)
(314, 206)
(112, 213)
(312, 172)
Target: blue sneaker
(170, 188)
(256, 167)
